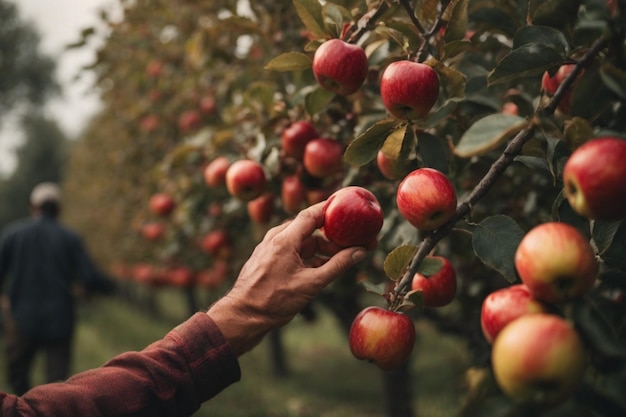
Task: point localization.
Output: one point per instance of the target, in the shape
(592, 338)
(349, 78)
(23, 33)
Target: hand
(285, 272)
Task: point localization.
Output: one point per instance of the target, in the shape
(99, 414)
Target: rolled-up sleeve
(171, 377)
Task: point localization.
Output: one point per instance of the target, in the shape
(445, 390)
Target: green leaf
(495, 241)
(374, 288)
(452, 80)
(364, 148)
(613, 254)
(614, 79)
(603, 234)
(438, 114)
(334, 17)
(434, 152)
(457, 21)
(529, 60)
(555, 13)
(317, 100)
(289, 61)
(487, 133)
(310, 12)
(398, 260)
(426, 12)
(543, 35)
(429, 266)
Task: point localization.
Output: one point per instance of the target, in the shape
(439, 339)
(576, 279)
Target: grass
(324, 379)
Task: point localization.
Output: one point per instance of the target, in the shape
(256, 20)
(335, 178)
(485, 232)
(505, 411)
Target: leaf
(398, 260)
(543, 35)
(457, 21)
(495, 241)
(393, 145)
(426, 12)
(374, 288)
(487, 133)
(310, 12)
(452, 80)
(317, 100)
(614, 254)
(434, 151)
(614, 79)
(429, 266)
(364, 148)
(334, 17)
(603, 233)
(289, 61)
(526, 61)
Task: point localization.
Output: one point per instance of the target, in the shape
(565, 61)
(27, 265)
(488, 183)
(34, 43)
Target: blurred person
(40, 263)
(199, 358)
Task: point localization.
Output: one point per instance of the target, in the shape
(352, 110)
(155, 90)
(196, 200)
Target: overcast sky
(59, 22)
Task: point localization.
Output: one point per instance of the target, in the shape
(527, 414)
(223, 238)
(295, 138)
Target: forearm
(171, 377)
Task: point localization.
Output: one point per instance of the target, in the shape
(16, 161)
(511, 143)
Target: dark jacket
(39, 261)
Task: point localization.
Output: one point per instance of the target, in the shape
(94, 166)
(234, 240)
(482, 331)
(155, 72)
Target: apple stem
(498, 167)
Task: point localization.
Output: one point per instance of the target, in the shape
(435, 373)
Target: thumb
(340, 263)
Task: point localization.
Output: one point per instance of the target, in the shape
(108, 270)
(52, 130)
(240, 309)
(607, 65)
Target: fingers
(304, 224)
(339, 264)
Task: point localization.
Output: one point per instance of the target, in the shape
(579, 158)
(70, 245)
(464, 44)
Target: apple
(292, 194)
(189, 120)
(352, 217)
(556, 262)
(261, 209)
(383, 337)
(594, 176)
(214, 276)
(510, 108)
(217, 243)
(503, 306)
(550, 84)
(215, 172)
(426, 198)
(180, 276)
(149, 123)
(246, 179)
(391, 168)
(295, 137)
(409, 89)
(439, 289)
(153, 230)
(538, 359)
(323, 157)
(340, 67)
(208, 105)
(161, 204)
(154, 69)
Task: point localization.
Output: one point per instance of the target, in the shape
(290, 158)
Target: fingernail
(358, 255)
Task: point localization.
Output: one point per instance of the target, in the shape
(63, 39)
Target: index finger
(305, 223)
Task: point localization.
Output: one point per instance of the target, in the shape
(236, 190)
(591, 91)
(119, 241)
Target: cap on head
(45, 192)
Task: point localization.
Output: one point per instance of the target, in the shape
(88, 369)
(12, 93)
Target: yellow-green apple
(323, 157)
(550, 84)
(439, 289)
(215, 172)
(153, 230)
(295, 137)
(217, 243)
(340, 67)
(353, 217)
(594, 177)
(426, 198)
(556, 262)
(409, 89)
(391, 168)
(261, 209)
(246, 179)
(383, 337)
(189, 120)
(538, 359)
(503, 306)
(292, 194)
(161, 204)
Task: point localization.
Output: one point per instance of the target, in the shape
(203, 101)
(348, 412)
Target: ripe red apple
(556, 262)
(215, 172)
(149, 123)
(409, 89)
(292, 194)
(383, 337)
(161, 204)
(438, 290)
(261, 209)
(510, 108)
(153, 230)
(503, 306)
(426, 198)
(180, 276)
(217, 243)
(295, 137)
(340, 67)
(538, 359)
(390, 167)
(189, 120)
(323, 157)
(352, 217)
(594, 177)
(550, 84)
(246, 179)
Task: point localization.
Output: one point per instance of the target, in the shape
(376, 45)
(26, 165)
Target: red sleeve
(171, 377)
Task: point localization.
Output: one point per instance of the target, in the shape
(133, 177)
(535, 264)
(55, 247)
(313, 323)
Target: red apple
(149, 123)
(215, 172)
(180, 276)
(208, 104)
(538, 359)
(550, 84)
(246, 179)
(261, 209)
(409, 89)
(437, 290)
(161, 204)
(556, 262)
(383, 337)
(426, 198)
(352, 217)
(217, 243)
(391, 168)
(323, 157)
(293, 194)
(510, 108)
(189, 120)
(295, 137)
(594, 177)
(503, 306)
(153, 230)
(340, 67)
